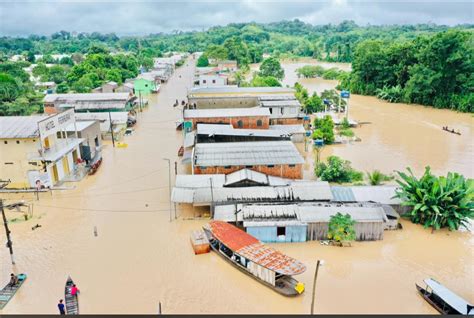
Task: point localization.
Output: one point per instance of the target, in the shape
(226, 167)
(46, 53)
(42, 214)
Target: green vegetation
(319, 71)
(264, 81)
(324, 129)
(437, 202)
(337, 170)
(436, 70)
(17, 95)
(271, 67)
(341, 228)
(376, 177)
(202, 61)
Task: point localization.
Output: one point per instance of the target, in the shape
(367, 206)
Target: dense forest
(427, 64)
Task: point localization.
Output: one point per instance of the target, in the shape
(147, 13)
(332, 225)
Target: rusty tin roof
(252, 249)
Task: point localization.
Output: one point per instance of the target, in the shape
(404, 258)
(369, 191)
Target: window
(259, 123)
(271, 109)
(249, 167)
(5, 142)
(226, 167)
(292, 166)
(213, 81)
(270, 166)
(204, 81)
(281, 110)
(281, 230)
(240, 124)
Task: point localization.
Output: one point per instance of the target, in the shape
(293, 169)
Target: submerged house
(249, 118)
(299, 222)
(276, 158)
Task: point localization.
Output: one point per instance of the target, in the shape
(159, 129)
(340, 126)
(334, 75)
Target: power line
(110, 193)
(103, 210)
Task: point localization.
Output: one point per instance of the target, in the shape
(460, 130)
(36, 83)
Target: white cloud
(152, 16)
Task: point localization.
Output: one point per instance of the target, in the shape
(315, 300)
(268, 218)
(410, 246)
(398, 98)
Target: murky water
(140, 258)
(396, 136)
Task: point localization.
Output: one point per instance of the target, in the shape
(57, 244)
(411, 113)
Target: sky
(133, 17)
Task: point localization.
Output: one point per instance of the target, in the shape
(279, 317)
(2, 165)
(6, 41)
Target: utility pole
(7, 230)
(314, 285)
(159, 308)
(212, 199)
(169, 184)
(111, 130)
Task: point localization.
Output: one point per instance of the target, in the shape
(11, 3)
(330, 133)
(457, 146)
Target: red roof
(252, 249)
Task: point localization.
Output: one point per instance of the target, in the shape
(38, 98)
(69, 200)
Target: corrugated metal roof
(71, 98)
(226, 112)
(288, 129)
(240, 90)
(314, 213)
(279, 97)
(453, 300)
(19, 126)
(380, 194)
(252, 249)
(229, 130)
(246, 174)
(280, 103)
(343, 194)
(247, 153)
(310, 191)
(199, 181)
(80, 125)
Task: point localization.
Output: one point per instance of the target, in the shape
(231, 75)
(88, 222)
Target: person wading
(61, 307)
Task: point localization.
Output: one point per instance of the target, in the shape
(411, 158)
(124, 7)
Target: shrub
(341, 228)
(437, 202)
(337, 170)
(377, 177)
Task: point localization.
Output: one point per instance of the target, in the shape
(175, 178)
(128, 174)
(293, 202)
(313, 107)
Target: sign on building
(345, 94)
(53, 124)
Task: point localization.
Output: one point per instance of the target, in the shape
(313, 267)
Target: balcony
(57, 151)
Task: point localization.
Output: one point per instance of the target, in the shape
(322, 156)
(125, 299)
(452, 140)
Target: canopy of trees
(436, 70)
(337, 170)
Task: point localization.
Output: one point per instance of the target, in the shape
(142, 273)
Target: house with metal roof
(34, 151)
(89, 102)
(276, 158)
(250, 118)
(304, 221)
(246, 186)
(227, 133)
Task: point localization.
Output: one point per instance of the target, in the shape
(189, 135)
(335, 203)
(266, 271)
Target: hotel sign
(53, 124)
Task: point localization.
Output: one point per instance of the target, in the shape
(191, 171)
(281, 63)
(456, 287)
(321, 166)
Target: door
(65, 165)
(55, 174)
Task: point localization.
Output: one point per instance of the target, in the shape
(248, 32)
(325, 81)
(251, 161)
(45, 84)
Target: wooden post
(159, 308)
(314, 286)
(7, 231)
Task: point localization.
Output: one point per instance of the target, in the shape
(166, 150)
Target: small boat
(267, 265)
(8, 291)
(443, 299)
(72, 301)
(181, 151)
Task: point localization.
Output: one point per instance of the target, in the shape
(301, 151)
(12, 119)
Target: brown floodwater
(140, 258)
(396, 136)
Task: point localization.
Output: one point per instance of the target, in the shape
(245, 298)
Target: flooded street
(140, 258)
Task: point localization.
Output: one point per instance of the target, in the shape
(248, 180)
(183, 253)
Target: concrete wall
(250, 122)
(284, 171)
(286, 121)
(212, 80)
(89, 134)
(14, 163)
(224, 102)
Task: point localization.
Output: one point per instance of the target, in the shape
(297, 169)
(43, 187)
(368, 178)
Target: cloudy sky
(19, 17)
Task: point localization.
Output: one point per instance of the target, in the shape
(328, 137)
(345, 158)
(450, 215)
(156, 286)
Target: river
(140, 258)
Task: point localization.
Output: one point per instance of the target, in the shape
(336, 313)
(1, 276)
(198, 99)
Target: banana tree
(437, 202)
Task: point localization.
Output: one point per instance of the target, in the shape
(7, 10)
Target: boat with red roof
(269, 266)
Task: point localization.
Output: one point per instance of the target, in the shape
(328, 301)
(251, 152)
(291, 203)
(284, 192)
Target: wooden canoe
(8, 291)
(72, 301)
(444, 300)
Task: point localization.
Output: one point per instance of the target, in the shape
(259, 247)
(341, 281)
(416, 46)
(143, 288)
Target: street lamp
(318, 263)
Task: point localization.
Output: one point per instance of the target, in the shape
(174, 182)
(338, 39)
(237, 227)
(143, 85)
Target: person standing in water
(74, 290)
(61, 307)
